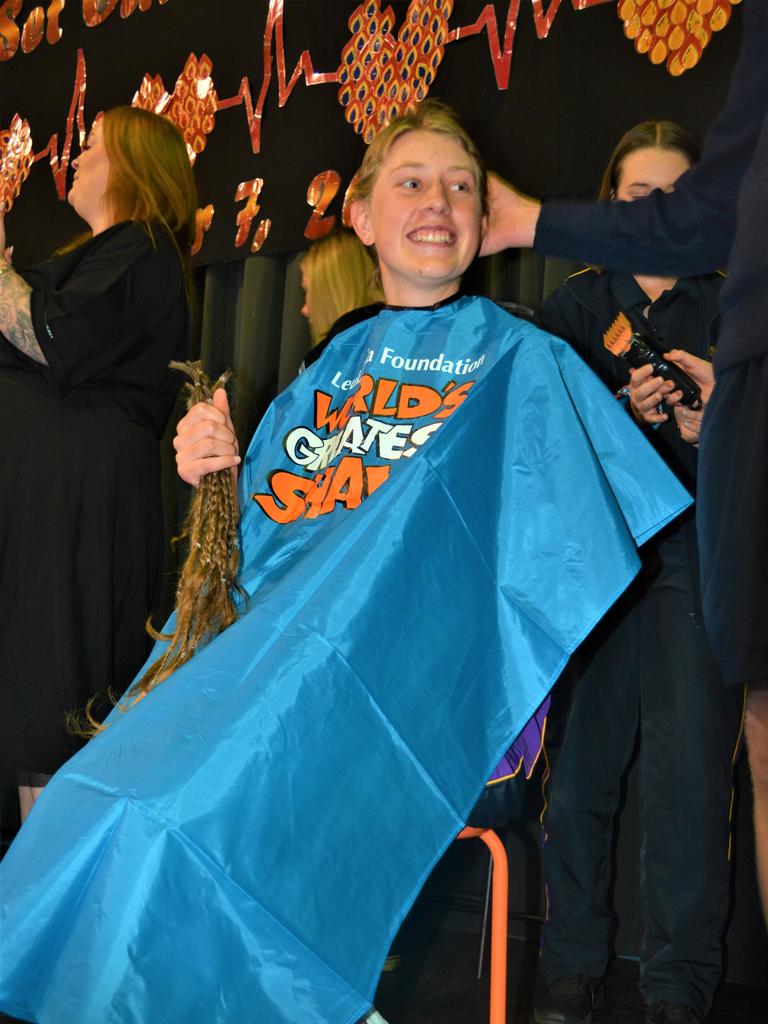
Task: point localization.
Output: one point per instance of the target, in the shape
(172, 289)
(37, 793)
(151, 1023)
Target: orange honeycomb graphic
(382, 76)
(151, 95)
(16, 160)
(674, 32)
(191, 107)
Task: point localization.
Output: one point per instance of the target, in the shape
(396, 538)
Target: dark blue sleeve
(691, 230)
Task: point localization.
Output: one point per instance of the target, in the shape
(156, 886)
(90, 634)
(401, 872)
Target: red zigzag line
(501, 55)
(60, 164)
(274, 27)
(501, 58)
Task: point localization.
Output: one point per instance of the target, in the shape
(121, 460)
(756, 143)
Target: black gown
(81, 528)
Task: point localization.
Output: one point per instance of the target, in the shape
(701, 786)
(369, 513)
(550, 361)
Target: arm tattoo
(16, 315)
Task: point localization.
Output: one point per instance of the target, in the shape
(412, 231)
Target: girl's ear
(483, 227)
(361, 221)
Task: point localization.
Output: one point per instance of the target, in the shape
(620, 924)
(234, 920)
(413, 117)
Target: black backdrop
(567, 98)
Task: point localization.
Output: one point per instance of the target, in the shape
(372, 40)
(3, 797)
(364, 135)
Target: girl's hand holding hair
(205, 440)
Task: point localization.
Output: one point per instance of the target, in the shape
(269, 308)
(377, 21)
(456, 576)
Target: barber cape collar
(435, 514)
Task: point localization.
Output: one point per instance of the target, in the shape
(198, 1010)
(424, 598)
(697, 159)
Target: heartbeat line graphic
(500, 46)
(60, 163)
(274, 53)
(274, 29)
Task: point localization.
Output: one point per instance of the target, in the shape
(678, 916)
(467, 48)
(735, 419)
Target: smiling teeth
(432, 236)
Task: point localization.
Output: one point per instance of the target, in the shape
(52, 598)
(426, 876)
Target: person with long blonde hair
(337, 276)
(85, 395)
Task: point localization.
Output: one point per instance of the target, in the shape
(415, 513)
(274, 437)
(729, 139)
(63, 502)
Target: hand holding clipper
(639, 350)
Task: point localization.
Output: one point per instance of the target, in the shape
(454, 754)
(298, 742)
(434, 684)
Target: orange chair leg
(499, 903)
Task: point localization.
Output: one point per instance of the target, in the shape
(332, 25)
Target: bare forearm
(16, 315)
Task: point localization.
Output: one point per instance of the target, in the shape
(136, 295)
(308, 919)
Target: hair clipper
(628, 343)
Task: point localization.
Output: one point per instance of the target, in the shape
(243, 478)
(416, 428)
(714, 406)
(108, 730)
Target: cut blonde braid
(205, 604)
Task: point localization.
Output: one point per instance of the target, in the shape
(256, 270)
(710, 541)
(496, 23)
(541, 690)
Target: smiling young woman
(423, 216)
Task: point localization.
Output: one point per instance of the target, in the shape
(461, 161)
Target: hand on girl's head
(512, 218)
(205, 440)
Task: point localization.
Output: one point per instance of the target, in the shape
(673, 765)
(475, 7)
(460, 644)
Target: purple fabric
(525, 751)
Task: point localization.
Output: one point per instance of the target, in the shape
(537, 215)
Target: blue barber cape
(434, 516)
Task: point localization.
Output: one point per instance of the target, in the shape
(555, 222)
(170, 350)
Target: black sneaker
(569, 999)
(663, 1012)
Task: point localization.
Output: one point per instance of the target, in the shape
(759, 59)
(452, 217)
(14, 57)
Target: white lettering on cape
(430, 364)
(391, 440)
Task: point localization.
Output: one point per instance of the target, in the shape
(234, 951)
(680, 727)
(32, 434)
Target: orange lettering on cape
(384, 391)
(334, 419)
(317, 494)
(347, 484)
(453, 400)
(417, 400)
(325, 416)
(287, 501)
(375, 477)
(294, 496)
(388, 398)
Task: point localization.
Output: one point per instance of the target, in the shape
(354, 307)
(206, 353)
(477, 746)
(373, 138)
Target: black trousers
(647, 665)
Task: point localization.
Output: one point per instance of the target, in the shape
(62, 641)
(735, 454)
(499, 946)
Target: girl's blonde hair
(340, 276)
(429, 116)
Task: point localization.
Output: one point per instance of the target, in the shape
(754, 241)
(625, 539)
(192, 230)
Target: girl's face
(424, 217)
(646, 169)
(90, 182)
